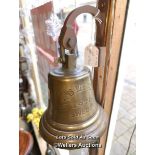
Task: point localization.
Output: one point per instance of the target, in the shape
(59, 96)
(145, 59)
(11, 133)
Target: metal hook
(67, 39)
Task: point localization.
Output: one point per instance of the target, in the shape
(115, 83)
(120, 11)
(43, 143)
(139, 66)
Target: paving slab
(126, 117)
(120, 129)
(118, 149)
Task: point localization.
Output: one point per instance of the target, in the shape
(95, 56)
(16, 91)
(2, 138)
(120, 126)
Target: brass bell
(73, 116)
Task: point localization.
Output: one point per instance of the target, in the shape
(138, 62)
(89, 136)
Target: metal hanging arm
(67, 39)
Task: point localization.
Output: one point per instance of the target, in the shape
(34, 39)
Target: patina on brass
(73, 116)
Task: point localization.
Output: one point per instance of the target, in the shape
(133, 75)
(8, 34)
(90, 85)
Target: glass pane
(84, 26)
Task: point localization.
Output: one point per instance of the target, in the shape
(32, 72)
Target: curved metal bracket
(67, 39)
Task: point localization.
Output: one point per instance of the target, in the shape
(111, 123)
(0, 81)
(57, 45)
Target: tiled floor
(126, 118)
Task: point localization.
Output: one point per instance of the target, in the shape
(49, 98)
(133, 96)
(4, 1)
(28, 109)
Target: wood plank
(35, 73)
(114, 43)
(101, 34)
(100, 73)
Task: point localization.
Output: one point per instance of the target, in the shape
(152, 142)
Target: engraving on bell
(73, 118)
(72, 110)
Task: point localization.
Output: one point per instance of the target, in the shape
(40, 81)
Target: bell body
(73, 116)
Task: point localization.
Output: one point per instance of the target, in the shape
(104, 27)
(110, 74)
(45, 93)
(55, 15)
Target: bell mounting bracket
(67, 38)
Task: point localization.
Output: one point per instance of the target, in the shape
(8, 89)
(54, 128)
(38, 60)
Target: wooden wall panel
(39, 16)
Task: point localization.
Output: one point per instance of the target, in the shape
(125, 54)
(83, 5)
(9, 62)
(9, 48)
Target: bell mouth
(76, 133)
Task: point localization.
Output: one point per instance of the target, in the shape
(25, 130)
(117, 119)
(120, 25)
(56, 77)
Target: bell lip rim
(96, 131)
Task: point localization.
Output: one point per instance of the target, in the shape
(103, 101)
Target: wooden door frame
(108, 74)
